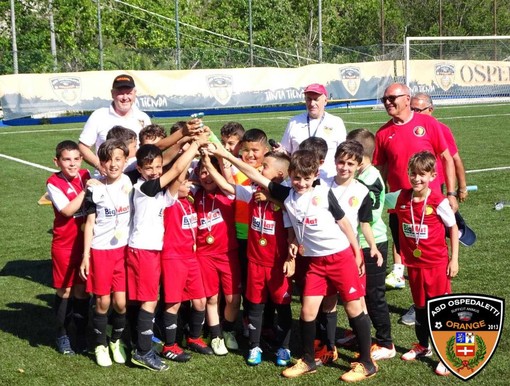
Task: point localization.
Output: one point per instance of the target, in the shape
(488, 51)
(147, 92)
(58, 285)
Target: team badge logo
(67, 89)
(220, 87)
(350, 79)
(419, 131)
(465, 330)
(445, 75)
(429, 210)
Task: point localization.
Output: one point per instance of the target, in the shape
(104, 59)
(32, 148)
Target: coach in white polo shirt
(122, 112)
(316, 122)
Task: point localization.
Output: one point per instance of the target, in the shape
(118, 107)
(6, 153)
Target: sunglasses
(391, 98)
(417, 110)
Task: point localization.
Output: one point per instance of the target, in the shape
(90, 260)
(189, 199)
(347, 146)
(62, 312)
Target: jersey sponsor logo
(412, 232)
(419, 131)
(310, 221)
(269, 225)
(112, 212)
(212, 218)
(189, 221)
(465, 330)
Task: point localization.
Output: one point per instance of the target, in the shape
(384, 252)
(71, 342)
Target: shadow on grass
(31, 322)
(38, 271)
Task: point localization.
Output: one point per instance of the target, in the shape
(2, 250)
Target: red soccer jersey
(432, 241)
(180, 220)
(216, 226)
(395, 144)
(67, 231)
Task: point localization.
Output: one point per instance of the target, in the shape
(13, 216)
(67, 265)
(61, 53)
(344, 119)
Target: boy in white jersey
(104, 255)
(332, 254)
(146, 242)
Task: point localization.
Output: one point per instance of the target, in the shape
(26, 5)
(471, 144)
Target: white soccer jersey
(313, 222)
(112, 207)
(147, 227)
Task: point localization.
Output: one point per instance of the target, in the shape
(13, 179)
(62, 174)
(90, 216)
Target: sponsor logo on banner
(351, 77)
(220, 87)
(445, 75)
(67, 89)
(465, 330)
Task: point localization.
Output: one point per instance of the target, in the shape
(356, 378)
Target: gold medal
(194, 247)
(417, 253)
(301, 249)
(262, 241)
(209, 239)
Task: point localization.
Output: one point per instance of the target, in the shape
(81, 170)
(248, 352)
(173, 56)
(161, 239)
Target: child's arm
(222, 183)
(192, 128)
(252, 173)
(453, 265)
(346, 228)
(88, 234)
(366, 229)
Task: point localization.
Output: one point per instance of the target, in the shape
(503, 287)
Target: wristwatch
(454, 194)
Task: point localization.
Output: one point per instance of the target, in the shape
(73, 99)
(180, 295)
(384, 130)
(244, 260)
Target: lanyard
(208, 216)
(301, 230)
(262, 218)
(193, 235)
(71, 185)
(317, 128)
(424, 209)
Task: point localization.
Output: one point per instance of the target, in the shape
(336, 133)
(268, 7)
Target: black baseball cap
(123, 80)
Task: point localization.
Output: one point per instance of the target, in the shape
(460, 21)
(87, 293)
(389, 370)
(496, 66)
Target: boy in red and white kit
(66, 191)
(108, 210)
(423, 214)
(218, 256)
(267, 254)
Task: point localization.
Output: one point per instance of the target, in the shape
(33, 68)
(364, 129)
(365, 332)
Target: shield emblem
(220, 87)
(350, 79)
(67, 89)
(445, 75)
(465, 330)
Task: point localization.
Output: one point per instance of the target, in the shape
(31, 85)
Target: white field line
(38, 131)
(28, 163)
(487, 170)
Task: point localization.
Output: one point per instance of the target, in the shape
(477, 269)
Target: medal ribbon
(208, 219)
(189, 219)
(424, 209)
(317, 128)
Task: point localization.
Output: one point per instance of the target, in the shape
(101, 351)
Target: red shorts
(182, 280)
(338, 272)
(267, 281)
(107, 272)
(426, 283)
(221, 270)
(143, 271)
(66, 267)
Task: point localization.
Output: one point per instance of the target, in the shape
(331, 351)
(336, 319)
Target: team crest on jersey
(316, 200)
(274, 207)
(429, 210)
(220, 86)
(353, 202)
(351, 77)
(465, 330)
(419, 131)
(67, 89)
(445, 75)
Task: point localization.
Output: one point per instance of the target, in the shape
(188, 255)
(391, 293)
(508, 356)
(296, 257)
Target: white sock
(398, 269)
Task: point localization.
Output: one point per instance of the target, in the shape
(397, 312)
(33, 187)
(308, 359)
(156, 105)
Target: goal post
(459, 69)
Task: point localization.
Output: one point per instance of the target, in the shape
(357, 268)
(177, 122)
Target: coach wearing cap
(315, 122)
(122, 111)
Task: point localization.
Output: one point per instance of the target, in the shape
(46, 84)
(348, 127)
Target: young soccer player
(267, 254)
(66, 191)
(423, 214)
(375, 296)
(218, 256)
(151, 134)
(130, 139)
(231, 136)
(332, 254)
(104, 256)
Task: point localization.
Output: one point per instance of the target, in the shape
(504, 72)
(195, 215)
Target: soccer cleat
(230, 340)
(218, 346)
(282, 357)
(324, 356)
(442, 370)
(300, 368)
(198, 345)
(175, 353)
(417, 351)
(150, 361)
(64, 345)
(254, 356)
(394, 281)
(103, 356)
(118, 352)
(409, 318)
(359, 372)
(347, 340)
(378, 353)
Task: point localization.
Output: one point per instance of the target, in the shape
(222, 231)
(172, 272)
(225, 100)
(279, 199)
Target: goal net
(460, 69)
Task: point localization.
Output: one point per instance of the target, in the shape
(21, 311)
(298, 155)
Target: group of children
(242, 223)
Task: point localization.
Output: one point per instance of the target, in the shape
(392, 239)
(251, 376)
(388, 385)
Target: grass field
(26, 319)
